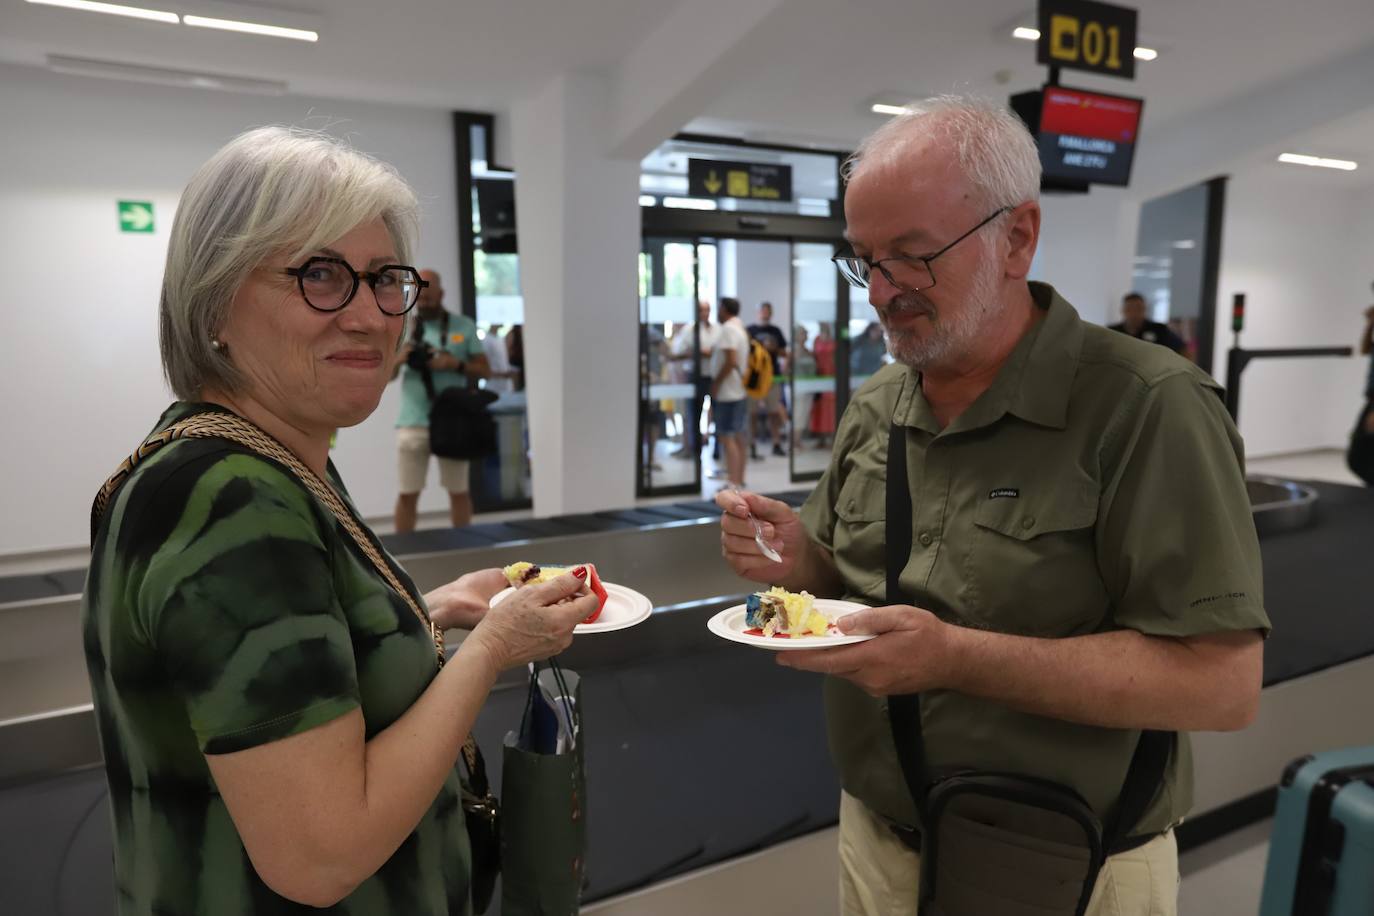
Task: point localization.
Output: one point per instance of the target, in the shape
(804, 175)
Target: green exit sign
(135, 216)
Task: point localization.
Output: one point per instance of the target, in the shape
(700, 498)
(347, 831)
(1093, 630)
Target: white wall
(1086, 245)
(1301, 248)
(78, 309)
(763, 273)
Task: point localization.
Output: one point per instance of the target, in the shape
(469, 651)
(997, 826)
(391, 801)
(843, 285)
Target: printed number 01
(1094, 41)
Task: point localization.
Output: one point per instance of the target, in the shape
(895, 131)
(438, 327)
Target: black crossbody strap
(904, 710)
(1143, 779)
(1152, 753)
(419, 338)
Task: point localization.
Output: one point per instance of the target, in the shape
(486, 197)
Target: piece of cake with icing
(522, 573)
(778, 612)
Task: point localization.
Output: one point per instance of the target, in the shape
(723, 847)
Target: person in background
(1367, 349)
(803, 369)
(1360, 456)
(1135, 323)
(728, 398)
(276, 730)
(867, 352)
(448, 345)
(653, 362)
(515, 352)
(822, 418)
(501, 377)
(771, 404)
(699, 365)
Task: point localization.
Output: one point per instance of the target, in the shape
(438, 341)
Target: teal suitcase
(1321, 855)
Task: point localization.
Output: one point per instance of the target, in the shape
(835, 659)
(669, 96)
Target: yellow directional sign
(744, 180)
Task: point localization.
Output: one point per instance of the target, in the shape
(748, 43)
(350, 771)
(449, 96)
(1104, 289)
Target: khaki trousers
(879, 874)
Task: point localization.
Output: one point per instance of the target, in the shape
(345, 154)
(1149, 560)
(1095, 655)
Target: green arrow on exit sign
(136, 216)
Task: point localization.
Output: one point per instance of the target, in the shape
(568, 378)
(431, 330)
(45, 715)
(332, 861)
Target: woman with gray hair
(277, 729)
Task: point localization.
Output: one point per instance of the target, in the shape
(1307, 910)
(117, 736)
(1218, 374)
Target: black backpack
(460, 425)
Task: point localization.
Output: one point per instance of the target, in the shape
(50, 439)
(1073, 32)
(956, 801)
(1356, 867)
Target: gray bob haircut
(274, 192)
(992, 146)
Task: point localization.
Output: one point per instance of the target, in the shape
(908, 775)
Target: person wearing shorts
(458, 359)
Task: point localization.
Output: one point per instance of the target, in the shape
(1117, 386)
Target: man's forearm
(1122, 679)
(478, 367)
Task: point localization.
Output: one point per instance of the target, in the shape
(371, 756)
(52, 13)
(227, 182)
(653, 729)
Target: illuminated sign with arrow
(744, 180)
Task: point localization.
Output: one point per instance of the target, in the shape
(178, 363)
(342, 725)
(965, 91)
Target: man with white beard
(1082, 569)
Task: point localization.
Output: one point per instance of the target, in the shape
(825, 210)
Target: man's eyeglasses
(328, 284)
(902, 271)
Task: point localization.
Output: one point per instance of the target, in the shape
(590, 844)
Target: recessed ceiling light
(1299, 159)
(109, 69)
(647, 200)
(1026, 33)
(251, 28)
(114, 9)
(689, 203)
(884, 109)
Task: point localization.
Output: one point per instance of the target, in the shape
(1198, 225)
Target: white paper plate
(729, 624)
(624, 608)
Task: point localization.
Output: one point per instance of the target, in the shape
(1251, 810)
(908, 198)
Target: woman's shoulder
(205, 479)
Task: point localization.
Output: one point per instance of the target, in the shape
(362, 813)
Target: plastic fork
(764, 548)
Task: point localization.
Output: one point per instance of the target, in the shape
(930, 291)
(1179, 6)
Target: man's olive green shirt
(1097, 485)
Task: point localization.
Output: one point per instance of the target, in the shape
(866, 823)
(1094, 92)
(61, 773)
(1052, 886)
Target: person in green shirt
(1084, 563)
(277, 733)
(457, 359)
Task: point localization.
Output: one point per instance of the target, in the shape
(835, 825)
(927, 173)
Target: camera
(420, 356)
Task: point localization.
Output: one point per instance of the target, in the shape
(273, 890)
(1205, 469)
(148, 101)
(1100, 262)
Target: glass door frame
(644, 485)
(842, 315)
(842, 392)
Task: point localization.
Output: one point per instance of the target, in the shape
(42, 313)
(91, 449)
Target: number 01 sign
(1085, 35)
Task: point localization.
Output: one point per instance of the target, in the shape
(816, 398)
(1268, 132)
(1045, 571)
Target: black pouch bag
(1003, 843)
(482, 817)
(460, 424)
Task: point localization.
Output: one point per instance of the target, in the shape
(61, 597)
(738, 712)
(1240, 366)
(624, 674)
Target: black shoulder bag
(1001, 842)
(460, 425)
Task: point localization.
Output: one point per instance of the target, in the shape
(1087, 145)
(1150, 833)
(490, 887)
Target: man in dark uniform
(1140, 327)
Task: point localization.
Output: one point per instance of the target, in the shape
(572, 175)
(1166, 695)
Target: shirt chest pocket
(860, 531)
(1031, 564)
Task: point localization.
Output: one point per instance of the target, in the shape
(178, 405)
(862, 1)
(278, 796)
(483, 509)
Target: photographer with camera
(447, 346)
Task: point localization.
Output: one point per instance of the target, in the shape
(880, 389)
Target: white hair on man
(993, 147)
(997, 155)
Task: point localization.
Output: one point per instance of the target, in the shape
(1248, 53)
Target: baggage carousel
(681, 724)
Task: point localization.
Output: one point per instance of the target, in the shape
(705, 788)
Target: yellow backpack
(758, 372)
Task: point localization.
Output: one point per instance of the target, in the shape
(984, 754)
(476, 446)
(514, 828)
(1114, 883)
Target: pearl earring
(217, 345)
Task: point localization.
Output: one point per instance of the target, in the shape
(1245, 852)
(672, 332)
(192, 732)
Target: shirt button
(1028, 522)
(926, 539)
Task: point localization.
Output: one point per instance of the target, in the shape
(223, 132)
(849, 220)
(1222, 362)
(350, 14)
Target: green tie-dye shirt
(225, 609)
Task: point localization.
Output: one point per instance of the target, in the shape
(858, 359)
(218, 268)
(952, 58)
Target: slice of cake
(522, 573)
(781, 613)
